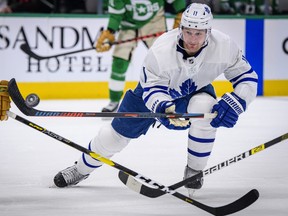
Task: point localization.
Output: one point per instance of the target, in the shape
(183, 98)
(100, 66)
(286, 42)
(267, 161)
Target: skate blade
(191, 192)
(107, 118)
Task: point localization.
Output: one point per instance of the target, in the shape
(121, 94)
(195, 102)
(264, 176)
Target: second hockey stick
(19, 101)
(230, 208)
(137, 186)
(26, 49)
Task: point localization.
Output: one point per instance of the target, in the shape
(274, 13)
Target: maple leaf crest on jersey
(186, 88)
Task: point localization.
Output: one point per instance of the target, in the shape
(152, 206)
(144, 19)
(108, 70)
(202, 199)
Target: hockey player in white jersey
(176, 77)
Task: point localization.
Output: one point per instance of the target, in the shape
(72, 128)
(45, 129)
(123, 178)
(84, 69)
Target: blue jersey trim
(85, 161)
(236, 78)
(198, 154)
(154, 92)
(245, 80)
(201, 140)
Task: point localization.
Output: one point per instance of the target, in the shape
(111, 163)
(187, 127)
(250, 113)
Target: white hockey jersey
(168, 73)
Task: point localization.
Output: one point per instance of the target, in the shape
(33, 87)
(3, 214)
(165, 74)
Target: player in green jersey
(131, 19)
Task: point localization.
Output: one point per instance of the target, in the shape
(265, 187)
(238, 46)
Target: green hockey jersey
(133, 14)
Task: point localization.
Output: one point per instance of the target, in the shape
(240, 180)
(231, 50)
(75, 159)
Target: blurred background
(239, 7)
(53, 27)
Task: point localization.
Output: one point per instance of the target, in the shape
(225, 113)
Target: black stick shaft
(251, 196)
(153, 193)
(25, 47)
(19, 101)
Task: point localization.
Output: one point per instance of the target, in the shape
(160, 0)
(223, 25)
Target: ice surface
(29, 160)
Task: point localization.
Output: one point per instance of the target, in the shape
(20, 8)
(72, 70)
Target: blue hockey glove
(228, 109)
(173, 124)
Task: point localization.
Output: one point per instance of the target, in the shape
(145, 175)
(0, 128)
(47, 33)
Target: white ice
(29, 160)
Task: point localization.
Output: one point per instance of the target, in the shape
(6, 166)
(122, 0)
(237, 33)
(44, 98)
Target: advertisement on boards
(69, 42)
(52, 36)
(47, 37)
(276, 50)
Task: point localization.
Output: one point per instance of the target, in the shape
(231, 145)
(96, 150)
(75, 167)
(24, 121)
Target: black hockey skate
(111, 107)
(195, 185)
(68, 177)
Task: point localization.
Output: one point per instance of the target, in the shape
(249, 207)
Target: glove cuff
(111, 30)
(235, 102)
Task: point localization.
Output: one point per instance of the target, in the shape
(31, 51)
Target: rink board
(85, 74)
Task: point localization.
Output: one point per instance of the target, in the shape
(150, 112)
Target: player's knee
(201, 103)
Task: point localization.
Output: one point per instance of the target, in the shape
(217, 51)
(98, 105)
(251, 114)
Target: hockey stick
(29, 111)
(137, 186)
(237, 205)
(26, 49)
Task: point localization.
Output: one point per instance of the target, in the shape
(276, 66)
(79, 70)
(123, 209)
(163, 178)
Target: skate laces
(72, 176)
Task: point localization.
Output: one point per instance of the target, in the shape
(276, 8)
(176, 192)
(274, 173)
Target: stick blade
(236, 206)
(239, 204)
(26, 49)
(138, 187)
(18, 98)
